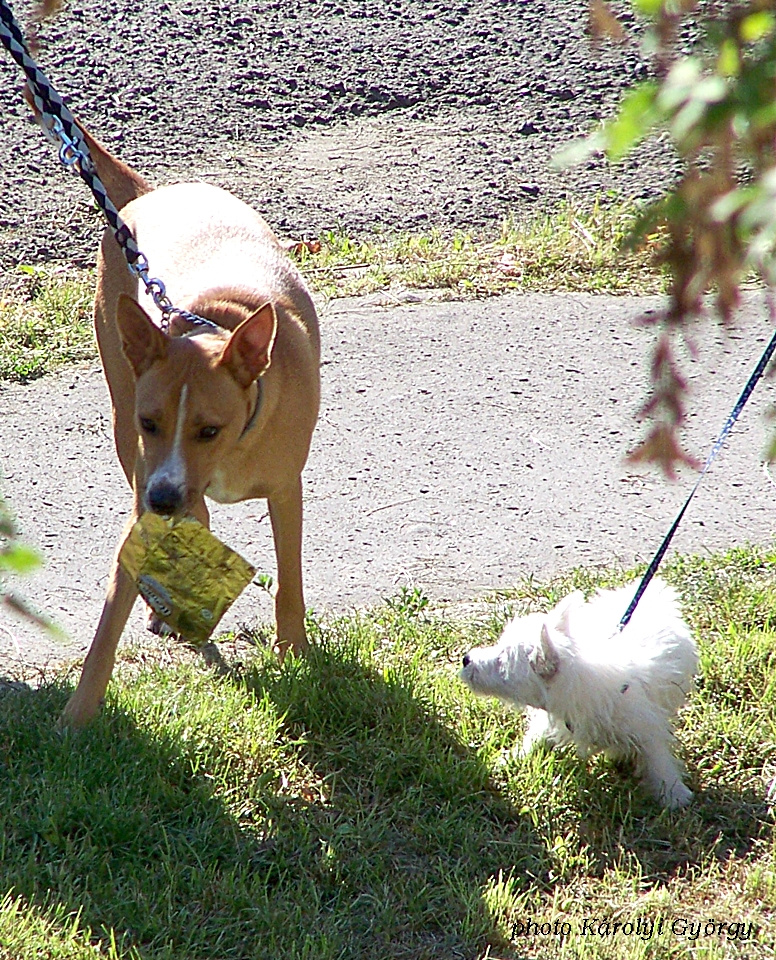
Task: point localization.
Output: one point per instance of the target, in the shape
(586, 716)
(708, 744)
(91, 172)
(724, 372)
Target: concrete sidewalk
(461, 446)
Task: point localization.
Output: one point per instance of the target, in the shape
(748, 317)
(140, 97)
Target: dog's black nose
(164, 498)
(466, 660)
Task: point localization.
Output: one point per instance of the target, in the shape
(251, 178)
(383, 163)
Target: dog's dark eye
(207, 433)
(147, 425)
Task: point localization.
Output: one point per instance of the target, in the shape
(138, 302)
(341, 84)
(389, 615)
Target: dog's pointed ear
(544, 657)
(561, 612)
(248, 350)
(142, 341)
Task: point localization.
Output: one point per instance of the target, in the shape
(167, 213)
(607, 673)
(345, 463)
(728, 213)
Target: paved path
(461, 447)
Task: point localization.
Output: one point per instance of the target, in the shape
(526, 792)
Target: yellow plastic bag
(185, 574)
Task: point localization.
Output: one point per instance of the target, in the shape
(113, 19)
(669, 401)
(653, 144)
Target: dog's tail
(122, 183)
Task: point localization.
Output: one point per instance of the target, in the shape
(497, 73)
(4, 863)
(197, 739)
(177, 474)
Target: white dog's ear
(544, 658)
(561, 613)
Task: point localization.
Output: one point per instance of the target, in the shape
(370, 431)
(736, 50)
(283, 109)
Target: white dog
(597, 687)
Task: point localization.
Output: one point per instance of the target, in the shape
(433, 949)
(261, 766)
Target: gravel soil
(364, 115)
(461, 445)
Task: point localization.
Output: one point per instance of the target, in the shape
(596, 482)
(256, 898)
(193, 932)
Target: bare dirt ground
(461, 445)
(365, 115)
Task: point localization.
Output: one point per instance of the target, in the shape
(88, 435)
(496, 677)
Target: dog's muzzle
(468, 671)
(164, 498)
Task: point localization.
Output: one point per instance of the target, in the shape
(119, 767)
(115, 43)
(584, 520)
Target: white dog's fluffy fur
(596, 687)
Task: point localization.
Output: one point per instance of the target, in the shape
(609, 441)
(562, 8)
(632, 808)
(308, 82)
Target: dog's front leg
(285, 511)
(537, 731)
(85, 703)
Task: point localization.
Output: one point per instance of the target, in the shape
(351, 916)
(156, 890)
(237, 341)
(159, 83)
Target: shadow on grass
(326, 809)
(609, 823)
(413, 826)
(355, 825)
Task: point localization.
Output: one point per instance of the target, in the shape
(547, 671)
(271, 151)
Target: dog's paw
(670, 792)
(157, 626)
(676, 795)
(537, 733)
(282, 648)
(78, 713)
(528, 744)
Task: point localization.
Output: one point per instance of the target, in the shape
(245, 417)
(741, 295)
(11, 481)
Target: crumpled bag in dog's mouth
(185, 574)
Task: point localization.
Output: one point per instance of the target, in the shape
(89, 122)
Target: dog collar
(254, 415)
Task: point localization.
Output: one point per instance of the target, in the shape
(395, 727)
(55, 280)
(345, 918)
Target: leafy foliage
(718, 104)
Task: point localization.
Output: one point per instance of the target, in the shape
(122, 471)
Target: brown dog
(226, 413)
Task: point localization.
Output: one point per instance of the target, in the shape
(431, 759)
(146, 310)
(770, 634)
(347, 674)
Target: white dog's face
(518, 668)
(510, 668)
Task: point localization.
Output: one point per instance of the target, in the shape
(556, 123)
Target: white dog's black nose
(466, 659)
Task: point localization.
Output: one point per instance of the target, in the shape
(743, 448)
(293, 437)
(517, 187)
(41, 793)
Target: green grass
(570, 250)
(45, 322)
(362, 804)
(45, 319)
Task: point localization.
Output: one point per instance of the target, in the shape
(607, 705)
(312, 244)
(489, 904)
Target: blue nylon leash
(59, 124)
(759, 370)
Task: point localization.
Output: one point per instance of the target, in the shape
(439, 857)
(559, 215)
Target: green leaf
(728, 62)
(731, 204)
(756, 26)
(678, 85)
(764, 116)
(650, 8)
(759, 211)
(18, 558)
(692, 100)
(637, 116)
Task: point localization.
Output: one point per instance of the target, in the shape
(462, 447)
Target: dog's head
(527, 657)
(194, 397)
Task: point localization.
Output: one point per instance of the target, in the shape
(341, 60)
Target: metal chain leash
(60, 126)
